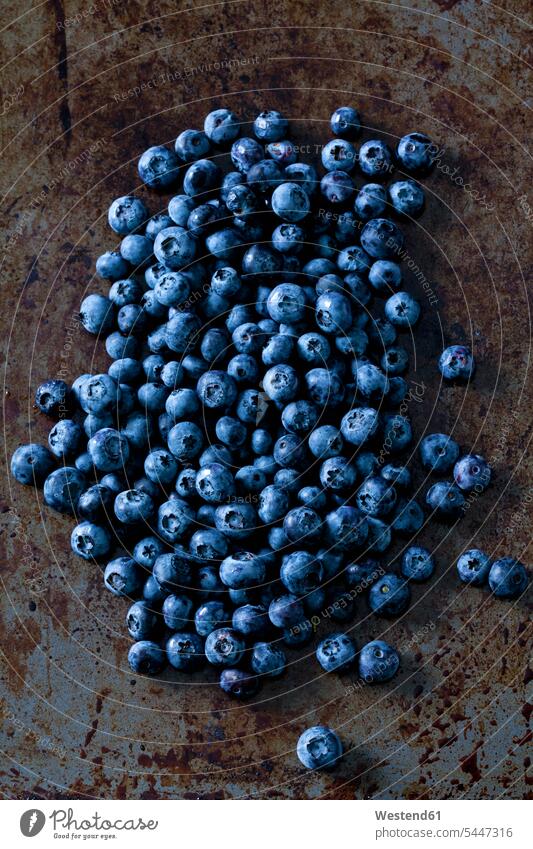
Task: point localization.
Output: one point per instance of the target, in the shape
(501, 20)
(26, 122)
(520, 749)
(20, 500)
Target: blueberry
(346, 122)
(371, 201)
(62, 489)
(141, 621)
(90, 541)
(215, 454)
(242, 570)
(408, 517)
(472, 472)
(123, 576)
(286, 611)
(133, 506)
(250, 620)
(319, 748)
(337, 474)
(179, 209)
(273, 504)
(382, 239)
(208, 544)
(473, 567)
(336, 653)
(126, 214)
(221, 126)
(304, 174)
(457, 363)
(96, 314)
(337, 187)
(416, 153)
(324, 387)
(174, 518)
(371, 382)
(394, 361)
(385, 276)
(361, 574)
(224, 647)
(397, 432)
(158, 167)
(359, 425)
(147, 550)
(226, 282)
(281, 383)
(191, 145)
(136, 249)
(262, 177)
(375, 497)
(287, 303)
(216, 390)
(152, 592)
(214, 483)
(375, 158)
(237, 683)
(417, 563)
(339, 155)
(31, 464)
(446, 499)
(172, 289)
(236, 520)
(111, 266)
(185, 441)
(378, 662)
(438, 452)
(390, 595)
(173, 572)
(407, 198)
(270, 126)
(261, 441)
(346, 528)
(223, 244)
(508, 578)
(175, 247)
(301, 572)
(99, 394)
(290, 202)
(231, 432)
(137, 429)
(181, 332)
(333, 312)
(185, 651)
(283, 152)
(277, 350)
(398, 476)
(325, 441)
(157, 223)
(53, 397)
(160, 467)
(109, 450)
(402, 310)
(210, 617)
(96, 503)
(147, 658)
(288, 480)
(299, 417)
(268, 659)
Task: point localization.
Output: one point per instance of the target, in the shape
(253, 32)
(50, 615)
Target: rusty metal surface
(75, 721)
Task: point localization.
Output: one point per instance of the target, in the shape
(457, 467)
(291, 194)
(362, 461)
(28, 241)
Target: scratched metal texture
(76, 723)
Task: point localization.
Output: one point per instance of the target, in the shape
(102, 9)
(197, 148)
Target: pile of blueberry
(238, 469)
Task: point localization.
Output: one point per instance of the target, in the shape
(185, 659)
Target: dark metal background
(75, 721)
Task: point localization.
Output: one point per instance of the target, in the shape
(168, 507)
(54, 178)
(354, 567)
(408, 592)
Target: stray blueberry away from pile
(227, 471)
